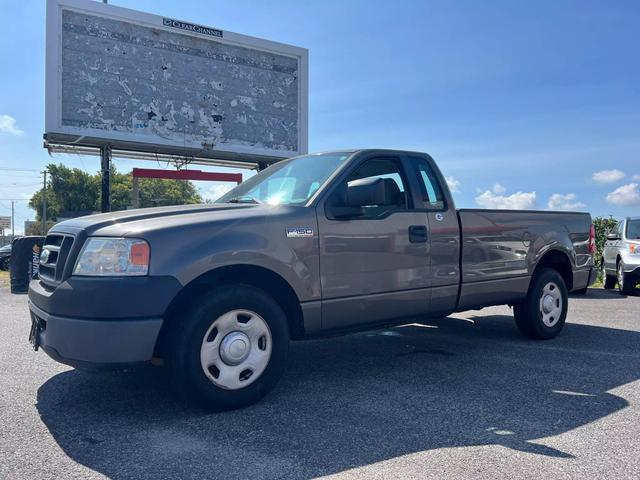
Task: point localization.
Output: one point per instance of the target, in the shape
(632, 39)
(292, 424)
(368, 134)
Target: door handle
(417, 234)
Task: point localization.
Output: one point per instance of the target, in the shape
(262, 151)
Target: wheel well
(560, 262)
(262, 278)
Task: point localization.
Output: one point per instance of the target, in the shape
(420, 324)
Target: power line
(19, 170)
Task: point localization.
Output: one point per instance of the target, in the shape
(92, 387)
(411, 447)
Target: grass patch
(4, 278)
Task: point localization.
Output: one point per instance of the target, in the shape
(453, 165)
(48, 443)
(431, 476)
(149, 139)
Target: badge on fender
(299, 232)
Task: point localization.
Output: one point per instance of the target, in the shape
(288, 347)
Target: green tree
(73, 190)
(602, 226)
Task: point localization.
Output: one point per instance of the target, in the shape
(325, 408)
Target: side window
(620, 229)
(432, 196)
(387, 168)
(633, 229)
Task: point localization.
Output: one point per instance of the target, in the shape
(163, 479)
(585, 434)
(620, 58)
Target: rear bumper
(584, 278)
(96, 343)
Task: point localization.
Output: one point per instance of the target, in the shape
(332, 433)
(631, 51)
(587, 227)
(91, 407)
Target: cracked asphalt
(459, 397)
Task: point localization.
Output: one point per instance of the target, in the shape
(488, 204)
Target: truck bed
(500, 249)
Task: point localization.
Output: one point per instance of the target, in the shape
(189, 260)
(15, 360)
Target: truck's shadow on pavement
(352, 401)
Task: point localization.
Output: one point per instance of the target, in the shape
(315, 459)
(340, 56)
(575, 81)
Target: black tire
(528, 314)
(185, 341)
(608, 281)
(626, 286)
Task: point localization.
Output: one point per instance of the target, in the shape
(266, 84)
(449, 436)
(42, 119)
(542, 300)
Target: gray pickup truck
(312, 245)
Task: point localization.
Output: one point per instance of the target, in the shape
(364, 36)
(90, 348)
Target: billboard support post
(105, 166)
(44, 203)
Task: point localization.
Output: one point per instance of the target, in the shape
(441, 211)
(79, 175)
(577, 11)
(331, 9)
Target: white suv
(621, 256)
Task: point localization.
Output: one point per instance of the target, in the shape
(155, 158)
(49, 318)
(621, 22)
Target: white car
(621, 256)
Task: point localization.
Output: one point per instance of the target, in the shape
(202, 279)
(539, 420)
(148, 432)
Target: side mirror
(372, 191)
(612, 236)
(348, 202)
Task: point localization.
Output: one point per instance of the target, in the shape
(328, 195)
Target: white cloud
(558, 201)
(626, 195)
(216, 190)
(608, 176)
(454, 185)
(515, 201)
(635, 177)
(8, 125)
(498, 189)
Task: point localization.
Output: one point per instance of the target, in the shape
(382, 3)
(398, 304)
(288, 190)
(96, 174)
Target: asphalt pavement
(460, 397)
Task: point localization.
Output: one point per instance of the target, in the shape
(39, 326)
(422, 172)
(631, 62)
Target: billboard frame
(57, 136)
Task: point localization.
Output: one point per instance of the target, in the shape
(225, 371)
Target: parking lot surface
(459, 397)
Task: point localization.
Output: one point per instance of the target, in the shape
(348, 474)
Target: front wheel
(230, 349)
(542, 314)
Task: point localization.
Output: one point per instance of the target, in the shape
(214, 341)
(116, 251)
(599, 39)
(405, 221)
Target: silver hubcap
(551, 304)
(236, 349)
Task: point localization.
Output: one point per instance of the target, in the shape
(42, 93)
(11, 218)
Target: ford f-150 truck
(312, 245)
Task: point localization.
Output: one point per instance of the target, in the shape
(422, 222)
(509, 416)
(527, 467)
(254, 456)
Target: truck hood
(141, 219)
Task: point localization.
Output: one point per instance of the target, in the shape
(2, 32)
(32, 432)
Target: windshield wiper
(246, 199)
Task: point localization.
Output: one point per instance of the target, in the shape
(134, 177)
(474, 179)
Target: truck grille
(51, 272)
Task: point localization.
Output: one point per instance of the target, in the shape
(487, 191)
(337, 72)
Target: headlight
(109, 256)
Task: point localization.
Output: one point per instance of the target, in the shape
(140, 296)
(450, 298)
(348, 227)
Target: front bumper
(632, 271)
(101, 322)
(631, 264)
(96, 343)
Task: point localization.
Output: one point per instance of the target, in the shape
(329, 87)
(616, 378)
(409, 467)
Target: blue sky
(522, 103)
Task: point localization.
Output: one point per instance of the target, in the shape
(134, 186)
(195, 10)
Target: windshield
(633, 229)
(289, 182)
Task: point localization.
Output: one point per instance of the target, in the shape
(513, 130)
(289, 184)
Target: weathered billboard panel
(142, 82)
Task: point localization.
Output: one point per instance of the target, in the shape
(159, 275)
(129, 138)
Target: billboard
(147, 83)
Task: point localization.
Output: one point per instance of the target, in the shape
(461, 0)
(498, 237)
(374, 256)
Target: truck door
(444, 233)
(374, 266)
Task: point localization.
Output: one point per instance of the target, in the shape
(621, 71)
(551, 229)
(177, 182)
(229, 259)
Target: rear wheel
(542, 314)
(230, 349)
(608, 281)
(625, 285)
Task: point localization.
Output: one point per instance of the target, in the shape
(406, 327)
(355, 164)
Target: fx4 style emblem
(299, 232)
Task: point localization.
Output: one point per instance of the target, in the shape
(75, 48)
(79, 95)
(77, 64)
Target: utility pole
(105, 166)
(44, 204)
